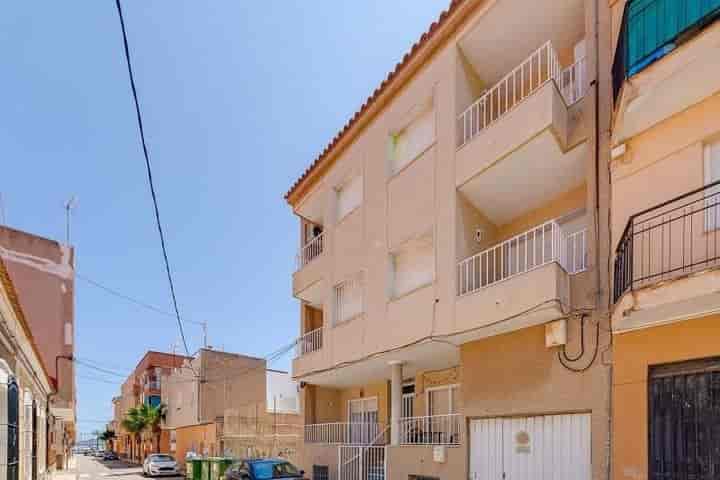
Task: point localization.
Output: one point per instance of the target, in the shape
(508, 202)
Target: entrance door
(549, 447)
(363, 419)
(684, 402)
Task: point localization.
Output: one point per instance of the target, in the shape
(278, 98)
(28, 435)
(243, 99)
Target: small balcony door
(363, 420)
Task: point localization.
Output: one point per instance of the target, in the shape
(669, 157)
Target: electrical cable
(99, 369)
(582, 343)
(149, 175)
(592, 360)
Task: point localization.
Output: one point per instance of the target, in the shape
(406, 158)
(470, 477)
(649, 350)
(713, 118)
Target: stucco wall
(634, 352)
(516, 375)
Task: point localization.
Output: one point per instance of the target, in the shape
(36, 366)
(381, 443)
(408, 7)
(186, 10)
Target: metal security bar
(310, 342)
(345, 433)
(361, 463)
(310, 251)
(675, 238)
(537, 69)
(431, 430)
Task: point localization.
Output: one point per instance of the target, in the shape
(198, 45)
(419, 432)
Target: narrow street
(89, 468)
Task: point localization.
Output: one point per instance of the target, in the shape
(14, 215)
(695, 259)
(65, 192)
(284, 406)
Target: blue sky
(238, 96)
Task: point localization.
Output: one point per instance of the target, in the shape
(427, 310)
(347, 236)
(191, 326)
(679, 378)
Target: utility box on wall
(439, 454)
(556, 333)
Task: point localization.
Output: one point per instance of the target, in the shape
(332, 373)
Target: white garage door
(549, 447)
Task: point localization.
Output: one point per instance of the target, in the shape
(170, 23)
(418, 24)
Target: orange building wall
(634, 353)
(201, 439)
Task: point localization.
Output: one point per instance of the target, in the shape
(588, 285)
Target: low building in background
(143, 386)
(43, 274)
(25, 388)
(208, 394)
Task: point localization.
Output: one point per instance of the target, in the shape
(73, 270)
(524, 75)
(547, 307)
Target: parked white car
(160, 464)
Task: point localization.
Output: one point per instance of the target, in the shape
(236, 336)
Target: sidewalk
(70, 473)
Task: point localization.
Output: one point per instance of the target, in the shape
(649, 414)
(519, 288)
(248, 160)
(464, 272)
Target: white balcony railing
(310, 342)
(310, 251)
(345, 433)
(529, 250)
(574, 252)
(537, 69)
(431, 430)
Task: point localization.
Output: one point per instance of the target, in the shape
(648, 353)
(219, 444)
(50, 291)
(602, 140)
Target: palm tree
(107, 436)
(154, 417)
(134, 423)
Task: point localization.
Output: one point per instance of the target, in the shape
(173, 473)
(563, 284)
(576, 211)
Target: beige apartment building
(453, 263)
(224, 403)
(665, 190)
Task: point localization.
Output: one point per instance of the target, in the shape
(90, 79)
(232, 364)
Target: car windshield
(161, 458)
(270, 469)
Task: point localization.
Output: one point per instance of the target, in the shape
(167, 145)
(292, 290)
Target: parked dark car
(263, 469)
(110, 456)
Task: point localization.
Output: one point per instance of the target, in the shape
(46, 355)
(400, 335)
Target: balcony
(526, 131)
(307, 280)
(539, 69)
(310, 251)
(309, 342)
(344, 433)
(668, 258)
(520, 282)
(432, 430)
(665, 62)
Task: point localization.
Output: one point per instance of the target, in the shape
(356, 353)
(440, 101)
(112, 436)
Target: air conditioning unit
(556, 333)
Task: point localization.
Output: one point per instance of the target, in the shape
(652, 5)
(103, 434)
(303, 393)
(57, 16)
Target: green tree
(134, 423)
(107, 436)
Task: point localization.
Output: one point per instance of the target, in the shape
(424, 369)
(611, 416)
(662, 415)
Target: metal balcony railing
(674, 238)
(524, 80)
(309, 342)
(432, 430)
(362, 462)
(534, 248)
(345, 433)
(310, 251)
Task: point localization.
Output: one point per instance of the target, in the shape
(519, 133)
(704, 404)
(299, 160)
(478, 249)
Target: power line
(95, 379)
(99, 369)
(150, 177)
(140, 303)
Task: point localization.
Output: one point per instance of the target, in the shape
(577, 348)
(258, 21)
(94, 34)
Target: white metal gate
(549, 447)
(361, 462)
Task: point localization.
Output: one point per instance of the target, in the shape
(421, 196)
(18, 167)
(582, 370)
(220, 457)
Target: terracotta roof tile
(424, 38)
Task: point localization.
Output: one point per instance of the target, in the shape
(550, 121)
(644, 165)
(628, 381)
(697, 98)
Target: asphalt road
(88, 468)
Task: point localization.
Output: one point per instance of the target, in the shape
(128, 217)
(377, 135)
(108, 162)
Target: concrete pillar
(396, 380)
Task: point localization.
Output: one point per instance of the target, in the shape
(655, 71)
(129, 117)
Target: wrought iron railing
(309, 342)
(432, 430)
(675, 238)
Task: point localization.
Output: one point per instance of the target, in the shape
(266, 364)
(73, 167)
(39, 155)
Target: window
(153, 400)
(349, 299)
(321, 472)
(712, 195)
(442, 400)
(349, 196)
(413, 266)
(410, 142)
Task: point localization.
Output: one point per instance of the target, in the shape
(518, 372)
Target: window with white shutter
(712, 195)
(349, 299)
(349, 196)
(413, 266)
(413, 140)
